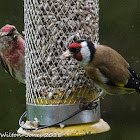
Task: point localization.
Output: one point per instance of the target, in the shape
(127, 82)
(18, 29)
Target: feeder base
(73, 130)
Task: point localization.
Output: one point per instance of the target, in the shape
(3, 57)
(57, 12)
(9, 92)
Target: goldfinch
(106, 67)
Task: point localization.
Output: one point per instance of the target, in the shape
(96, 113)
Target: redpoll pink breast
(12, 52)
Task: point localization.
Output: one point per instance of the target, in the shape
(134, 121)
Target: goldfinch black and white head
(82, 51)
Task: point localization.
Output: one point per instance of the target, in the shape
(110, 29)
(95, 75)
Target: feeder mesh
(50, 27)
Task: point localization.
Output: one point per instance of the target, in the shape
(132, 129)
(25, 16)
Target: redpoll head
(83, 51)
(8, 35)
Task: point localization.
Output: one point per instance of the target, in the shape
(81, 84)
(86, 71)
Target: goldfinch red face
(82, 51)
(75, 49)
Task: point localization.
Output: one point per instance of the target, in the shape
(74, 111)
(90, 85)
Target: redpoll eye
(11, 33)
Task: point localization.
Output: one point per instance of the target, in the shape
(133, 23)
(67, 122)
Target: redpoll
(12, 52)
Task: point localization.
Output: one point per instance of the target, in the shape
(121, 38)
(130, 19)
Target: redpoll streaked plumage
(12, 52)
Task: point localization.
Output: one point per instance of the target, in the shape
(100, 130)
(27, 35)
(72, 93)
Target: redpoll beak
(16, 34)
(66, 54)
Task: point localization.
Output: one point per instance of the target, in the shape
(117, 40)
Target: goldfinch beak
(66, 54)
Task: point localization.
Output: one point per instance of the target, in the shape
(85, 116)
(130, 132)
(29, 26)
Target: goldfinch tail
(133, 81)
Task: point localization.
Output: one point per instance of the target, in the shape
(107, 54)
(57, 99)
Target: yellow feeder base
(68, 131)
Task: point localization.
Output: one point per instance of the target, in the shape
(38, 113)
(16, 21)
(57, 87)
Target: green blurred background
(119, 28)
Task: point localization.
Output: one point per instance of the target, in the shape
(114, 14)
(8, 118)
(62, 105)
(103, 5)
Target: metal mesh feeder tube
(55, 88)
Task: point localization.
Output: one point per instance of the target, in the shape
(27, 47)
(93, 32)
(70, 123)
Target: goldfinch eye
(75, 50)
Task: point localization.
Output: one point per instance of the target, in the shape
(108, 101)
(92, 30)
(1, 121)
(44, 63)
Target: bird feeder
(55, 88)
